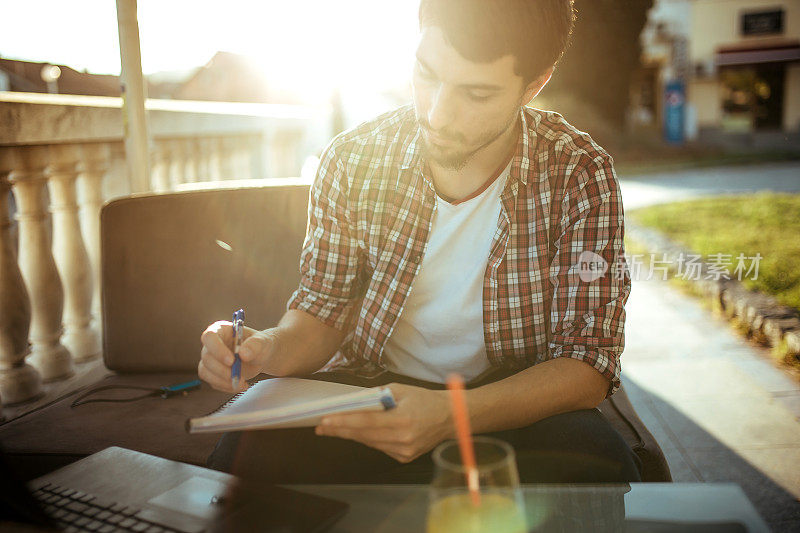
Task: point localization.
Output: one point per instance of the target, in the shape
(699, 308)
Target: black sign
(762, 22)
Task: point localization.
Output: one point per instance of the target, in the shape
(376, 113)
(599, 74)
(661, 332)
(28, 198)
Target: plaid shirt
(369, 217)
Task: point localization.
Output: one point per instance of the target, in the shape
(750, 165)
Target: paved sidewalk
(716, 404)
(719, 407)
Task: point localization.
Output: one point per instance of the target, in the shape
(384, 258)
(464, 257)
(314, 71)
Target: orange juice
(497, 513)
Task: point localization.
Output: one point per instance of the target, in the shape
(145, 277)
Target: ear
(536, 86)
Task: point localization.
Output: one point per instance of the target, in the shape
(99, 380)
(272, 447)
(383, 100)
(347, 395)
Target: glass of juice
(501, 508)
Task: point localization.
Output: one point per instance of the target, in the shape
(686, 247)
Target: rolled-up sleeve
(588, 309)
(329, 262)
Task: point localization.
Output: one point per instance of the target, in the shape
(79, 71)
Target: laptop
(123, 490)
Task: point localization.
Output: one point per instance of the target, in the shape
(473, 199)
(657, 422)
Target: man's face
(461, 106)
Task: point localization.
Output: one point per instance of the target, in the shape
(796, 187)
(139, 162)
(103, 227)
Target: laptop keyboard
(75, 511)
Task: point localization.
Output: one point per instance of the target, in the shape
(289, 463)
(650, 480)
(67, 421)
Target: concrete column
(70, 254)
(134, 93)
(19, 381)
(38, 267)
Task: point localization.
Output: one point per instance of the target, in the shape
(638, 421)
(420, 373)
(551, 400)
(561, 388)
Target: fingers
(224, 329)
(217, 375)
(401, 454)
(373, 429)
(213, 365)
(367, 436)
(366, 420)
(381, 440)
(216, 338)
(212, 379)
(216, 357)
(398, 389)
(254, 348)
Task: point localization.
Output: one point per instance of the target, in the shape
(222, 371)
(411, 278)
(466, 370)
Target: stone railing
(61, 158)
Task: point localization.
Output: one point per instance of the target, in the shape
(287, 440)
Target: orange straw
(459, 403)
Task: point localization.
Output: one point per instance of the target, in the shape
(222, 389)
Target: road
(640, 191)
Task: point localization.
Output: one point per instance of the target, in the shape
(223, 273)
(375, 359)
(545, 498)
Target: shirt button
(417, 258)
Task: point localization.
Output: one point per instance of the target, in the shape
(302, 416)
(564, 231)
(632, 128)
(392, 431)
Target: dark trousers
(575, 447)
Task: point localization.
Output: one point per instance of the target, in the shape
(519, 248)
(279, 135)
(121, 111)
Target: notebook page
(284, 392)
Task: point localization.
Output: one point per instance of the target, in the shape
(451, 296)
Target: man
(453, 236)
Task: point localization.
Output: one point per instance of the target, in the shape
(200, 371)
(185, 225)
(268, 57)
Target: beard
(456, 155)
(446, 157)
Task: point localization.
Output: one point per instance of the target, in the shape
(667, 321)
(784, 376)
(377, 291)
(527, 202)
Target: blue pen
(238, 334)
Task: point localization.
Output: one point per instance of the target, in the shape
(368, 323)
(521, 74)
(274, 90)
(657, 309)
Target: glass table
(652, 507)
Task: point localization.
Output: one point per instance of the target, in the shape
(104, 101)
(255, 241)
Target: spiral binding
(236, 396)
(227, 404)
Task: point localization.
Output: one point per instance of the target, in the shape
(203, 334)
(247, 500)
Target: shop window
(752, 97)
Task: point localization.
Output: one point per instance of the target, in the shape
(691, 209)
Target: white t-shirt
(441, 327)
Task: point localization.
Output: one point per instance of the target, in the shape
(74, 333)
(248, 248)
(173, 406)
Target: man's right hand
(216, 356)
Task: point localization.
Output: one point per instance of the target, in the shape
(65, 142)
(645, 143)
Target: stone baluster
(214, 150)
(241, 155)
(206, 158)
(253, 156)
(279, 152)
(117, 178)
(161, 167)
(257, 156)
(238, 157)
(227, 167)
(197, 161)
(177, 162)
(38, 267)
(95, 160)
(19, 381)
(70, 254)
(192, 153)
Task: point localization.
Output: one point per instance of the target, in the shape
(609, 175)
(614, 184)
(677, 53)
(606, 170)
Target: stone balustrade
(61, 158)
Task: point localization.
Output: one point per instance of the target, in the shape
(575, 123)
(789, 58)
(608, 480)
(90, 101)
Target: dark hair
(535, 32)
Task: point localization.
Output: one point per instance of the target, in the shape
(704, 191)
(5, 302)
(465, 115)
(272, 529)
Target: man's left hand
(421, 420)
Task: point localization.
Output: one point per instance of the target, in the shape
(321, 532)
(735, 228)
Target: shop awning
(745, 56)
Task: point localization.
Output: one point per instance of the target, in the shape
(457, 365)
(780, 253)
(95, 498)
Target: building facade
(739, 62)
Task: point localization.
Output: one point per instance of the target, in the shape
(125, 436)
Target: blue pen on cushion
(238, 334)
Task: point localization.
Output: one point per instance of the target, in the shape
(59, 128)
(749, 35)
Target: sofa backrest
(173, 263)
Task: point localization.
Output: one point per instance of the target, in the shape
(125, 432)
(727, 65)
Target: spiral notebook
(290, 403)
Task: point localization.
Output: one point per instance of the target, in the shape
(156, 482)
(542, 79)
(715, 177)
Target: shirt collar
(521, 162)
(411, 165)
(413, 153)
